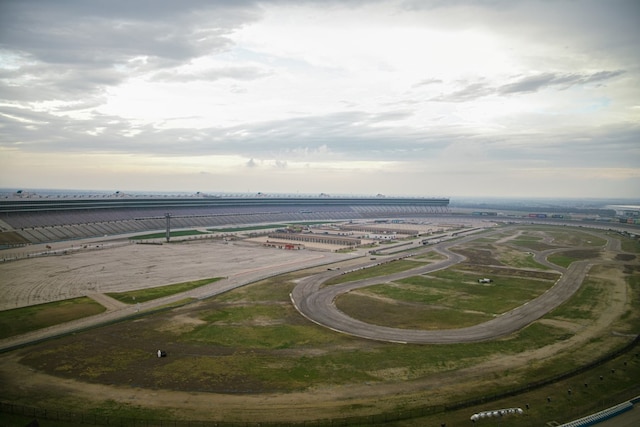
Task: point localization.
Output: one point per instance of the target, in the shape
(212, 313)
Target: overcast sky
(408, 97)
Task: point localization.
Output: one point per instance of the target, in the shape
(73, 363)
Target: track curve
(318, 305)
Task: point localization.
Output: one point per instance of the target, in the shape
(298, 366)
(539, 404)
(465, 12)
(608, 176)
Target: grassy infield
(453, 298)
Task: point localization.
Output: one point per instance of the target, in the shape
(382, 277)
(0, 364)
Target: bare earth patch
(180, 324)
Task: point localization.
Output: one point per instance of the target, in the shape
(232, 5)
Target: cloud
(427, 82)
(75, 31)
(538, 82)
(370, 95)
(469, 91)
(210, 75)
(72, 50)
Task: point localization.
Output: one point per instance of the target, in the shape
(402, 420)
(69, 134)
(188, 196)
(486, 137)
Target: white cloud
(354, 97)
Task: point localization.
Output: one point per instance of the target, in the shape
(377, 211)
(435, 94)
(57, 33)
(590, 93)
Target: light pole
(167, 216)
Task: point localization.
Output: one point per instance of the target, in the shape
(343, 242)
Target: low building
(284, 245)
(327, 239)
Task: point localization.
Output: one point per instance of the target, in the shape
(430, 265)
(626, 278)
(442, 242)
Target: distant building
(326, 239)
(284, 245)
(390, 236)
(626, 211)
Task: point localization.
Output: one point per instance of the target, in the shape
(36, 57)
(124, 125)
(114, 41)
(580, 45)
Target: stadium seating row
(59, 225)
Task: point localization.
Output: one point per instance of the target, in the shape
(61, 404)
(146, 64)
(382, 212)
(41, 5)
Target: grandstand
(25, 220)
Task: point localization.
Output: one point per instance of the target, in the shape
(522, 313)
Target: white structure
(496, 413)
(626, 210)
(374, 236)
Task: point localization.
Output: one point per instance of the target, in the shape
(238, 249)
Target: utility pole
(168, 218)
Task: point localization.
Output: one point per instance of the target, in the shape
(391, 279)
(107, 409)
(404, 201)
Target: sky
(433, 98)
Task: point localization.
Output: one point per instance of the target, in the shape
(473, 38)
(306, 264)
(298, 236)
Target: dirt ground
(140, 266)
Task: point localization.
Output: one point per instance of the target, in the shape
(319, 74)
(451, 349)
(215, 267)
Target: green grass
(430, 257)
(570, 237)
(180, 233)
(278, 336)
(406, 316)
(267, 226)
(533, 243)
(630, 245)
(108, 412)
(268, 290)
(25, 319)
(561, 260)
(460, 290)
(259, 321)
(585, 303)
(233, 314)
(487, 240)
(596, 396)
(490, 271)
(380, 270)
(441, 300)
(10, 420)
(312, 222)
(264, 325)
(519, 259)
(142, 295)
(116, 410)
(248, 228)
(101, 364)
(268, 326)
(565, 258)
(263, 356)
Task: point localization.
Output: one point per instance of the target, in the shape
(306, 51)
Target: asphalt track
(317, 304)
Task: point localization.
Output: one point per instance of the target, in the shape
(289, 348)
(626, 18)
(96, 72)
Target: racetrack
(324, 398)
(318, 305)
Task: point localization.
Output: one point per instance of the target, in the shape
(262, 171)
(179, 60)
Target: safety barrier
(600, 416)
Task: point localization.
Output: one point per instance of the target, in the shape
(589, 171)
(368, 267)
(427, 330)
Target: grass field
(564, 259)
(142, 295)
(567, 236)
(266, 226)
(25, 319)
(379, 270)
(252, 341)
(441, 300)
(180, 233)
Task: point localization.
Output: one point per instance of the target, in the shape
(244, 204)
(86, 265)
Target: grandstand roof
(49, 204)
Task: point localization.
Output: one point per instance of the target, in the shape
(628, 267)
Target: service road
(317, 303)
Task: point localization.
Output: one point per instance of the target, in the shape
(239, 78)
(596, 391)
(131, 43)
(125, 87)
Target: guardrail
(600, 416)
